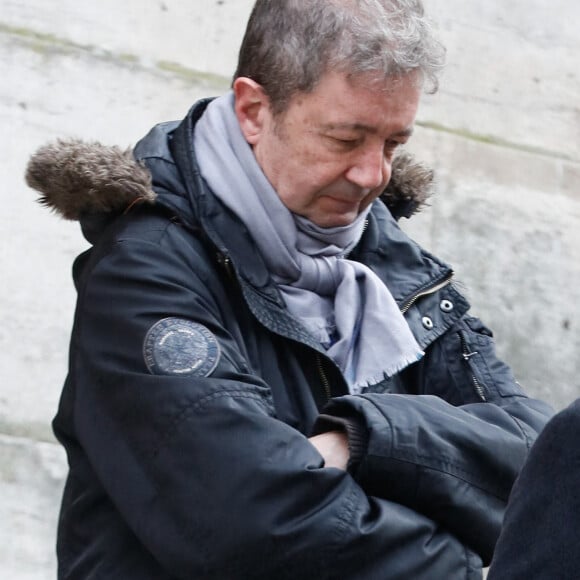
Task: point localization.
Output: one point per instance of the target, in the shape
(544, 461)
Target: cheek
(314, 181)
(302, 171)
(303, 177)
(296, 192)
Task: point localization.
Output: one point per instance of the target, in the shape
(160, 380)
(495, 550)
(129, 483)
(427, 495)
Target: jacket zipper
(467, 355)
(226, 263)
(436, 287)
(431, 290)
(323, 377)
(228, 266)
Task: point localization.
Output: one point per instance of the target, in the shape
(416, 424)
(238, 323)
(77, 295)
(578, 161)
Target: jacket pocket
(488, 375)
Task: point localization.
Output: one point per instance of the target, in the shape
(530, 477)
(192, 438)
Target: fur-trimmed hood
(76, 178)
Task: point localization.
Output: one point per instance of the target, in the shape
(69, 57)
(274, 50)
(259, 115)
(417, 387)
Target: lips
(338, 205)
(349, 200)
(348, 203)
(344, 201)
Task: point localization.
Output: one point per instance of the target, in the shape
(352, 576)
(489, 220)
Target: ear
(252, 108)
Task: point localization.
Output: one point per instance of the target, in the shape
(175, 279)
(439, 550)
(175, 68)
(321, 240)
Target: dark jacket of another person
(540, 539)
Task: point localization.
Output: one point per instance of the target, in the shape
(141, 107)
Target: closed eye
(347, 144)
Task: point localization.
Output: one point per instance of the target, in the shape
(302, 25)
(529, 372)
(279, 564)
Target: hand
(333, 446)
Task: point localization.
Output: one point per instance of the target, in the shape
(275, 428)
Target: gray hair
(290, 44)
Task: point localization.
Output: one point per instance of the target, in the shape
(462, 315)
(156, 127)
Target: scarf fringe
(405, 362)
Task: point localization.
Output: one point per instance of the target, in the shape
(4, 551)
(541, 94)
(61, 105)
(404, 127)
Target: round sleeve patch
(177, 346)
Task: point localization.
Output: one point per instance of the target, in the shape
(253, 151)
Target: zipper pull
(226, 264)
(468, 354)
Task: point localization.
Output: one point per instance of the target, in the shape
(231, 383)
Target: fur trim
(411, 185)
(76, 178)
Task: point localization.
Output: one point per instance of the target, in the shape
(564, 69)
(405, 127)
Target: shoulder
(147, 244)
(561, 430)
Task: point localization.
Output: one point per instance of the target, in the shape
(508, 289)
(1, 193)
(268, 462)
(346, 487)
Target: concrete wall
(503, 135)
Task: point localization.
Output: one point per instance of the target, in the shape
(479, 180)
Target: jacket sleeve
(200, 468)
(454, 452)
(540, 535)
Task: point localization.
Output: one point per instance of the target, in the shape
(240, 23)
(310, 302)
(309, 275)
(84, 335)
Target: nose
(371, 169)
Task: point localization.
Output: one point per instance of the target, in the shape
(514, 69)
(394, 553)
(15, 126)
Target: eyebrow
(366, 128)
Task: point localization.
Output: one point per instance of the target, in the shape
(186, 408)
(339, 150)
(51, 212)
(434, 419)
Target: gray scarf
(340, 301)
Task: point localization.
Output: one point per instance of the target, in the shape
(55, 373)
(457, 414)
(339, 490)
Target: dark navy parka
(213, 478)
(540, 538)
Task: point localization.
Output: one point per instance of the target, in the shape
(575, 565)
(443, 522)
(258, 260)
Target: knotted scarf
(341, 302)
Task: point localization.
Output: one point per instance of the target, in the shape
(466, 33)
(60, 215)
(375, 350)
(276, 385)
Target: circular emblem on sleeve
(177, 346)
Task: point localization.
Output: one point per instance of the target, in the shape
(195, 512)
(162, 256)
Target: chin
(334, 221)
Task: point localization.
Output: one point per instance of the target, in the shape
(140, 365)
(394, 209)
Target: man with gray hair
(268, 378)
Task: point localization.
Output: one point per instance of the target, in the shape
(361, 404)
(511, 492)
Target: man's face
(329, 154)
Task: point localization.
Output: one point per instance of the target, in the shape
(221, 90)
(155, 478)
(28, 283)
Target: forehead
(362, 102)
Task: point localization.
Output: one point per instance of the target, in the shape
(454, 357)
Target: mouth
(334, 210)
(342, 206)
(349, 200)
(348, 203)
(343, 201)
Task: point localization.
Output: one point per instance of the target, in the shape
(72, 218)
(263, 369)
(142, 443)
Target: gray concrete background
(503, 134)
